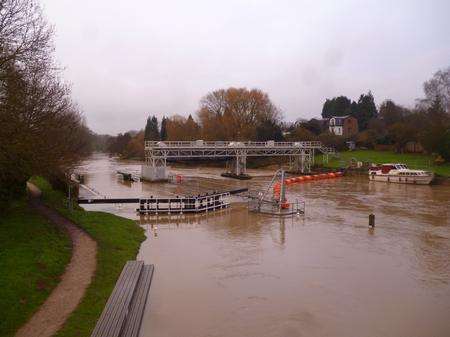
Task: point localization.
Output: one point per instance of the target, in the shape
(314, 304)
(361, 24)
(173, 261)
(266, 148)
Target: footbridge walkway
(301, 154)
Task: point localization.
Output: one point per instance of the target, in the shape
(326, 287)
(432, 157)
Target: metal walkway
(301, 154)
(194, 204)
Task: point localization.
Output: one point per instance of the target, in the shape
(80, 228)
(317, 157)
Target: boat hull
(389, 178)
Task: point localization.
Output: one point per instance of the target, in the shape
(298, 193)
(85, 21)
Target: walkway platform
(190, 204)
(122, 315)
(174, 205)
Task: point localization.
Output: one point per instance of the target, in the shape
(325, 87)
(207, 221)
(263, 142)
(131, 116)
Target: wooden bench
(122, 315)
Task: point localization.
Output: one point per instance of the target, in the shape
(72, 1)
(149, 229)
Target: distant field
(417, 161)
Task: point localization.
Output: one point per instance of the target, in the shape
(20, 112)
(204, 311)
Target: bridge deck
(157, 153)
(183, 149)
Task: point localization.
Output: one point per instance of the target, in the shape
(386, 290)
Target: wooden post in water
(282, 192)
(372, 220)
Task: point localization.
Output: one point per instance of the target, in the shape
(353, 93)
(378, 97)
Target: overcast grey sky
(129, 59)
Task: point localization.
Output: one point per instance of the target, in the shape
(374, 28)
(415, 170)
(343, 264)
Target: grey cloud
(128, 59)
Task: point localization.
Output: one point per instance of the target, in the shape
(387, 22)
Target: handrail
(230, 144)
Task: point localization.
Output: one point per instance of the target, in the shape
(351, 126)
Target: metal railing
(273, 208)
(194, 204)
(231, 144)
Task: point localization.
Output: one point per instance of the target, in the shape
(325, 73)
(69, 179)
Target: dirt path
(52, 314)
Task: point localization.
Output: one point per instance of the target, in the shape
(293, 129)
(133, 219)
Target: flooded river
(236, 273)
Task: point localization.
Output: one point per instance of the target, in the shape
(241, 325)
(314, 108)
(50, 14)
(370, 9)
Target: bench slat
(112, 318)
(117, 318)
(134, 319)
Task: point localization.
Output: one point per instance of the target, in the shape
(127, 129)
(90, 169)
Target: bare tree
(438, 87)
(41, 129)
(236, 113)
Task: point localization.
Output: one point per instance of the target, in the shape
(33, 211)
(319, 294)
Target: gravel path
(63, 300)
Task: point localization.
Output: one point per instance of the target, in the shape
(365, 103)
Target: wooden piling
(372, 220)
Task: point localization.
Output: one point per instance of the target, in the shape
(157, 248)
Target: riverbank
(414, 161)
(118, 240)
(77, 276)
(34, 254)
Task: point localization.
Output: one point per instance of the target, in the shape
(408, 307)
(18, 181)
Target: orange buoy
(285, 205)
(288, 181)
(307, 178)
(331, 175)
(300, 179)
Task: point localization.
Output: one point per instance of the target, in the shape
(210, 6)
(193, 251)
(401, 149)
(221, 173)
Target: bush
(331, 140)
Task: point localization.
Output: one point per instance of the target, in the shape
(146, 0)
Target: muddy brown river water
(236, 273)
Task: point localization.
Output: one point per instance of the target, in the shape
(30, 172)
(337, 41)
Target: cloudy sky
(128, 59)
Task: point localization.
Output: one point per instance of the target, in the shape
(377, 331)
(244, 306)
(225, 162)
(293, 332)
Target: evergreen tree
(337, 106)
(365, 110)
(163, 132)
(151, 129)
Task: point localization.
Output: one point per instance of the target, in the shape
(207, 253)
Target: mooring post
(282, 192)
(371, 220)
(70, 197)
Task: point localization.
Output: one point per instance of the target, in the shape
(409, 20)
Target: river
(237, 273)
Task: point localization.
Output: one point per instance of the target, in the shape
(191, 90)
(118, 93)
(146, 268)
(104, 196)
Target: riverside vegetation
(33, 255)
(118, 240)
(416, 161)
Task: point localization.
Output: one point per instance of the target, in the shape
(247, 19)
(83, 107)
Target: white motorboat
(400, 173)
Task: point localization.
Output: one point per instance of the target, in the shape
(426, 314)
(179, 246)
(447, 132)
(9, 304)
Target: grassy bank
(118, 240)
(418, 161)
(33, 255)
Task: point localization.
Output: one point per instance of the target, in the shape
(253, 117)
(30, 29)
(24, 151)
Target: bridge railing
(230, 144)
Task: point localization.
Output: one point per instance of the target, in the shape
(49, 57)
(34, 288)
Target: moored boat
(400, 173)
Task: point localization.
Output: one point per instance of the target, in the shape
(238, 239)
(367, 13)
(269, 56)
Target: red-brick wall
(350, 127)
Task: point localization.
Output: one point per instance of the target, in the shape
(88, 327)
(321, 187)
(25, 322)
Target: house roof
(339, 120)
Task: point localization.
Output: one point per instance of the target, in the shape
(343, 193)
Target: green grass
(33, 255)
(418, 161)
(118, 241)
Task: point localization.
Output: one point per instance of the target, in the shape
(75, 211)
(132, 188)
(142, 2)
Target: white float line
(92, 191)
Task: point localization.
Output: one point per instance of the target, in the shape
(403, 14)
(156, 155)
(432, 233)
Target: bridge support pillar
(154, 169)
(240, 163)
(302, 162)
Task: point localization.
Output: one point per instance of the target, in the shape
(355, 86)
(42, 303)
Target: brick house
(346, 126)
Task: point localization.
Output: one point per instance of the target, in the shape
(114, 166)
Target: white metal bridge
(157, 152)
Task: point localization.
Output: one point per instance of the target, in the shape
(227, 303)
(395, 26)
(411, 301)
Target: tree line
(364, 110)
(42, 131)
(225, 114)
(243, 114)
